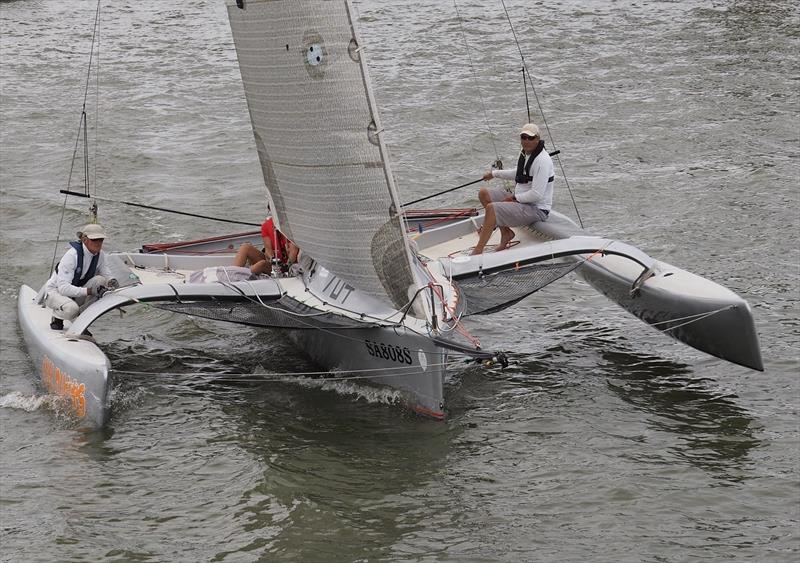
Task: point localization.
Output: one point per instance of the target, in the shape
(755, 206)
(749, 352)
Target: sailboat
(382, 292)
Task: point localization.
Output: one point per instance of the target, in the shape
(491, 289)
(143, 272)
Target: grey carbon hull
(395, 358)
(721, 325)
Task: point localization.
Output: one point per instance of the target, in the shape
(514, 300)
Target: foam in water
(375, 395)
(16, 400)
(369, 393)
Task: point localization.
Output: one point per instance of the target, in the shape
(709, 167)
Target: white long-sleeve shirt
(539, 190)
(61, 281)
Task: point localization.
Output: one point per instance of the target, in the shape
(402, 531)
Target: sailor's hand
(488, 175)
(101, 290)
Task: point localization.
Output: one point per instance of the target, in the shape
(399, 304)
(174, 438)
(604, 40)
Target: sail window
(315, 54)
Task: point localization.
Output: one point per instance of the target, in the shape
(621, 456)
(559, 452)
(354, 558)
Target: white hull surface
(74, 368)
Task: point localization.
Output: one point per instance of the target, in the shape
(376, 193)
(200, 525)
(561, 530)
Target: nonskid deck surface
(463, 244)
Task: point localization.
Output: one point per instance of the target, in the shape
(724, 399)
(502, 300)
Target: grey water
(603, 441)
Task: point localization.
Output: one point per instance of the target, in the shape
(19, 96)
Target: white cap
(530, 129)
(92, 231)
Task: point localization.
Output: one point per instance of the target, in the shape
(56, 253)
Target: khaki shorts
(514, 213)
(67, 308)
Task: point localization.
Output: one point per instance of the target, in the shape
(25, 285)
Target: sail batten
(316, 129)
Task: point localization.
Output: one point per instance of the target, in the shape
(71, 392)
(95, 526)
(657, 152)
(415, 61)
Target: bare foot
(475, 251)
(506, 236)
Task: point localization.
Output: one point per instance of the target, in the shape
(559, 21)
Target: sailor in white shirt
(533, 193)
(80, 278)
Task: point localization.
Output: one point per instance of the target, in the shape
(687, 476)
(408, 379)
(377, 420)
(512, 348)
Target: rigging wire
(396, 371)
(527, 102)
(81, 126)
(525, 70)
(367, 373)
(97, 104)
(475, 79)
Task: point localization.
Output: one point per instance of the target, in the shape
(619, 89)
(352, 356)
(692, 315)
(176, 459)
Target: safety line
(367, 373)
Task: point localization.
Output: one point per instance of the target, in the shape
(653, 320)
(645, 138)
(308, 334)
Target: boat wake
(30, 403)
(359, 390)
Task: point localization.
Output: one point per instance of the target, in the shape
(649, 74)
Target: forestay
(318, 138)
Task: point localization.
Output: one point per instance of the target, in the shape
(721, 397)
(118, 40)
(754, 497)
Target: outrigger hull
(687, 307)
(74, 368)
(692, 309)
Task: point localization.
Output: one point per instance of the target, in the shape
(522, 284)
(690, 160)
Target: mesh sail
(317, 135)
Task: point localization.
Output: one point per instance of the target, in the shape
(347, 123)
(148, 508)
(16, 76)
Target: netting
(282, 313)
(493, 292)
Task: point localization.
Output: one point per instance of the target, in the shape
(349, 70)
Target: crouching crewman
(81, 277)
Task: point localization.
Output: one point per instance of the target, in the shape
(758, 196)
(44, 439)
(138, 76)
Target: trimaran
(381, 293)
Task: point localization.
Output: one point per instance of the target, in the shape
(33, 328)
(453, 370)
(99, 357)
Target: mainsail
(318, 138)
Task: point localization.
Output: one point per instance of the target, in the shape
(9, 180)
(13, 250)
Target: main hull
(391, 357)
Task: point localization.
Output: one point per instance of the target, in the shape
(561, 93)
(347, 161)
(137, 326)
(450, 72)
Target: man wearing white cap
(533, 193)
(80, 278)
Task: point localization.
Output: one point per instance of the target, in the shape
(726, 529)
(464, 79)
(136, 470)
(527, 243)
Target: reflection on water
(715, 433)
(316, 462)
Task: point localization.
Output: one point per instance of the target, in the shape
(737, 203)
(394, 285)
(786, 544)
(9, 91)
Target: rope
(693, 319)
(541, 111)
(462, 330)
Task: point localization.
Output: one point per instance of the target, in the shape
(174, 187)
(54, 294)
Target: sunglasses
(526, 137)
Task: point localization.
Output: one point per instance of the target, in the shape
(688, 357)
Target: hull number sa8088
(391, 352)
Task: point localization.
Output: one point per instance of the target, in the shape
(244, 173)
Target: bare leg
(483, 196)
(247, 253)
(261, 267)
(294, 250)
(506, 236)
(489, 222)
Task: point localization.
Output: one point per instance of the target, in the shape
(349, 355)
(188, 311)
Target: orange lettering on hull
(59, 383)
